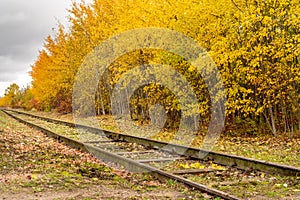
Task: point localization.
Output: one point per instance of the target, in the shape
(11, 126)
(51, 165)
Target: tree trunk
(101, 100)
(272, 121)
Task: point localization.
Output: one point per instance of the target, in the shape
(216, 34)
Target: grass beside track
(34, 166)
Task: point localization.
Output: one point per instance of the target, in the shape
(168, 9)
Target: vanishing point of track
(137, 154)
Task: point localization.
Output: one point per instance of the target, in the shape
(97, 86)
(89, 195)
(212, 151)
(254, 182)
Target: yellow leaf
(197, 166)
(217, 167)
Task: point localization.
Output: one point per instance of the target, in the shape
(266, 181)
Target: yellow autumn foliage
(254, 43)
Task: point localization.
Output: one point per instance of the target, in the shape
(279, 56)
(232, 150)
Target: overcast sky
(23, 27)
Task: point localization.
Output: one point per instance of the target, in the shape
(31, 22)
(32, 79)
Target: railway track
(159, 158)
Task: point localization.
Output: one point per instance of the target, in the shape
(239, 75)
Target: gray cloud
(23, 27)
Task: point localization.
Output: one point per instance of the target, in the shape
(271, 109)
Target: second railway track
(145, 155)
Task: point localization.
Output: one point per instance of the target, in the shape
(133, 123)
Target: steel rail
(129, 164)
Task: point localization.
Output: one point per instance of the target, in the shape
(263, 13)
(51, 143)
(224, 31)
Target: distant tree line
(16, 97)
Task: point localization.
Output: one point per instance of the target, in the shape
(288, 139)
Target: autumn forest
(255, 45)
